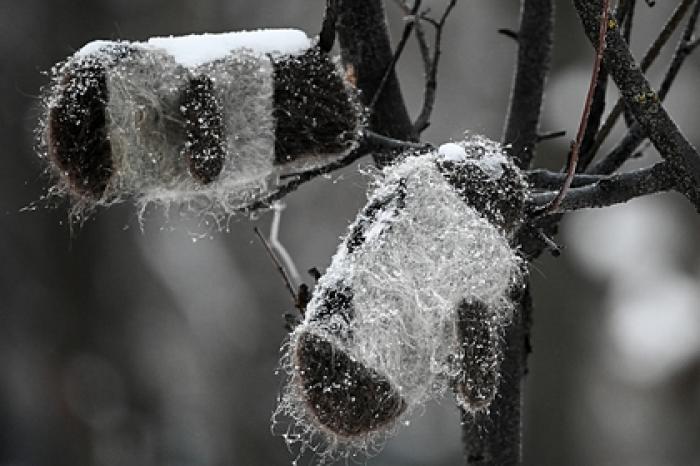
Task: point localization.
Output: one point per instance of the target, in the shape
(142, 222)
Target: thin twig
(408, 28)
(511, 34)
(494, 437)
(301, 178)
(586, 154)
(372, 143)
(423, 120)
(573, 159)
(279, 248)
(277, 263)
(648, 59)
(387, 143)
(627, 18)
(420, 35)
(551, 135)
(682, 51)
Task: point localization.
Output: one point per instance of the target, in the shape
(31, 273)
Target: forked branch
(644, 103)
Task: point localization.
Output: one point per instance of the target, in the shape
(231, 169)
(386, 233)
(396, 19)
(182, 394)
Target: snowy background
(121, 347)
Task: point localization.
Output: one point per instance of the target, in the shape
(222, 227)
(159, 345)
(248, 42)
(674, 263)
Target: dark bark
(534, 51)
(643, 102)
(611, 190)
(545, 179)
(365, 48)
(649, 57)
(635, 135)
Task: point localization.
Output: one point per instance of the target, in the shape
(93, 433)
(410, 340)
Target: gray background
(123, 346)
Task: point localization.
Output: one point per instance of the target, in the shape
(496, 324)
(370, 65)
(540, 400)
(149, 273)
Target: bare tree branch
(683, 49)
(643, 102)
(372, 143)
(634, 137)
(326, 38)
(611, 190)
(583, 126)
(423, 120)
(551, 135)
(365, 47)
(649, 57)
(626, 17)
(511, 34)
(420, 34)
(495, 437)
(534, 52)
(391, 68)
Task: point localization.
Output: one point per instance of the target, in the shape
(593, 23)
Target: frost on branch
(210, 121)
(413, 304)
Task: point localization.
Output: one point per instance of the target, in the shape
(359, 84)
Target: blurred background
(122, 345)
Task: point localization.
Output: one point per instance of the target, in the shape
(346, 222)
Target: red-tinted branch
(634, 137)
(644, 103)
(649, 57)
(573, 158)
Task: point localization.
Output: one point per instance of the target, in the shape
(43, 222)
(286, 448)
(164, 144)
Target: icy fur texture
(144, 124)
(151, 119)
(243, 87)
(390, 298)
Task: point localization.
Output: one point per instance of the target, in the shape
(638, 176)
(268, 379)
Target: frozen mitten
(414, 302)
(209, 120)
